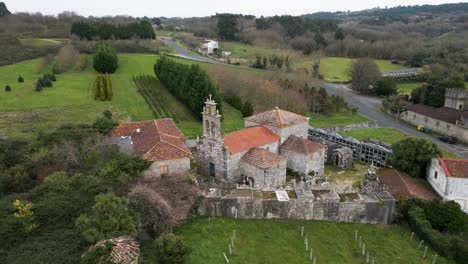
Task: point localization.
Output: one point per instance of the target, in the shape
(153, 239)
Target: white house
(209, 46)
(449, 178)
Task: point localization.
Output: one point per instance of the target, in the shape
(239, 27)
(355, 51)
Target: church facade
(260, 154)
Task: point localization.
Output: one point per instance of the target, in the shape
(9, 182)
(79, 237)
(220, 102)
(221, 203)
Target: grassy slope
(278, 241)
(336, 119)
(408, 87)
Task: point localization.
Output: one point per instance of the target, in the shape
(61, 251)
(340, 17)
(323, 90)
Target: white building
(209, 46)
(449, 178)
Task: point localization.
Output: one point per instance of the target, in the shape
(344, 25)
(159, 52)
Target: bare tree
(364, 74)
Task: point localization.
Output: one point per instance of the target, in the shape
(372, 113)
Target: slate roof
(301, 145)
(403, 187)
(262, 158)
(248, 138)
(456, 168)
(125, 250)
(446, 114)
(277, 118)
(154, 140)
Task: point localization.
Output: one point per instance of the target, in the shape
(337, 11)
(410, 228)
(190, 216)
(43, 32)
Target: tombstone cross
(434, 259)
(311, 254)
(420, 244)
(425, 252)
(363, 249)
(306, 241)
(226, 258)
(412, 235)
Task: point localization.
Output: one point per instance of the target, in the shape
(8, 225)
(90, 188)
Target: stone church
(259, 155)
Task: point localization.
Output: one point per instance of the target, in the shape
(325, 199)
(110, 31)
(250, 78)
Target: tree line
(188, 83)
(103, 30)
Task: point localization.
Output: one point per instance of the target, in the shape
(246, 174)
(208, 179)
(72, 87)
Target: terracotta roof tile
(154, 140)
(457, 168)
(301, 145)
(277, 118)
(125, 250)
(248, 138)
(261, 158)
(403, 187)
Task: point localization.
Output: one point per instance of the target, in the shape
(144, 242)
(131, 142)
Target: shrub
(107, 114)
(39, 86)
(20, 79)
(247, 109)
(104, 125)
(8, 88)
(386, 87)
(171, 249)
(234, 100)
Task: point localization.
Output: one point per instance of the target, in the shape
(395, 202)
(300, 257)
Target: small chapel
(261, 153)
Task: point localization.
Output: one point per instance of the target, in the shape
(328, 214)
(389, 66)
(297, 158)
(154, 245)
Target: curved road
(366, 105)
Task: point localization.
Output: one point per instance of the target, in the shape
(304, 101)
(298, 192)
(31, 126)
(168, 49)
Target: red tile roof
(248, 138)
(457, 168)
(154, 140)
(277, 118)
(301, 145)
(262, 158)
(402, 187)
(125, 250)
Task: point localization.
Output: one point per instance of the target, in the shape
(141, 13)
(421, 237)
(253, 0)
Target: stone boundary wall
(370, 124)
(376, 208)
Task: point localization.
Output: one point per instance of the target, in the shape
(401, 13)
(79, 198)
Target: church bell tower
(211, 120)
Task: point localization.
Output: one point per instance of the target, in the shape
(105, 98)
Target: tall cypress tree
(102, 88)
(108, 87)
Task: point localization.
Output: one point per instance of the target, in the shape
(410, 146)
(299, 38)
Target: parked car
(447, 139)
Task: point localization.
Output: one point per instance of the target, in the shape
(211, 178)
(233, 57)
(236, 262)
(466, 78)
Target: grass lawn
(279, 241)
(336, 119)
(335, 69)
(408, 87)
(346, 177)
(384, 134)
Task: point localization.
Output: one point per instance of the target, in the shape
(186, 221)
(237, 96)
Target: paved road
(366, 105)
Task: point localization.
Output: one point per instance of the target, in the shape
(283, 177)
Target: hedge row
(102, 88)
(449, 246)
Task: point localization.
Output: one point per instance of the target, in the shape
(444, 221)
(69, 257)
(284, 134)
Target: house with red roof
(259, 155)
(159, 141)
(449, 178)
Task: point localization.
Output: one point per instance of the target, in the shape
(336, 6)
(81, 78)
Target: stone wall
(370, 124)
(273, 177)
(377, 208)
(441, 127)
(175, 166)
(304, 164)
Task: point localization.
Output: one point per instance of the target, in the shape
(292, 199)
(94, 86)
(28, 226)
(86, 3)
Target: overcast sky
(191, 8)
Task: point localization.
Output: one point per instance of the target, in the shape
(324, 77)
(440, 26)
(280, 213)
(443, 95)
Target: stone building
(254, 153)
(456, 99)
(449, 178)
(342, 157)
(443, 120)
(304, 156)
(124, 250)
(158, 141)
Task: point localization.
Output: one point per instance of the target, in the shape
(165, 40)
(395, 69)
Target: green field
(407, 87)
(336, 119)
(24, 112)
(384, 134)
(280, 241)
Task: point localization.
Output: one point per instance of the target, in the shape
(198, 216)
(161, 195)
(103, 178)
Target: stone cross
(230, 249)
(363, 248)
(412, 235)
(234, 234)
(306, 242)
(315, 259)
(311, 254)
(367, 258)
(434, 259)
(232, 242)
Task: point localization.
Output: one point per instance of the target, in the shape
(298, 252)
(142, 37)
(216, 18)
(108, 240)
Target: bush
(247, 109)
(39, 86)
(105, 59)
(107, 114)
(234, 100)
(20, 79)
(104, 125)
(8, 88)
(386, 87)
(171, 249)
